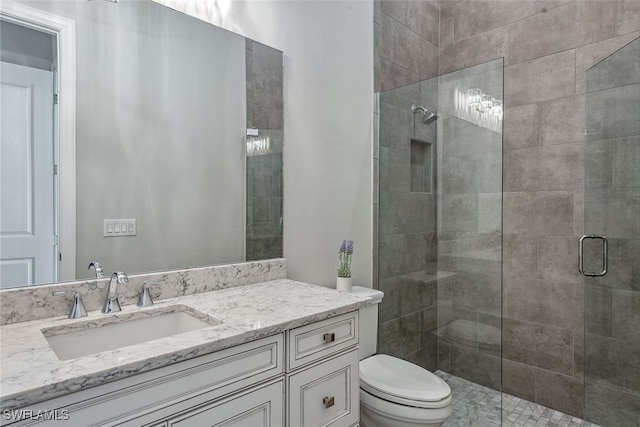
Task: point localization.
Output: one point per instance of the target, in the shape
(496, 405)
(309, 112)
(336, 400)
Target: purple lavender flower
(350, 247)
(344, 258)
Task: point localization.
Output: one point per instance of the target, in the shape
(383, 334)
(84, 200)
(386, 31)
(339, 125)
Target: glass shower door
(440, 234)
(610, 249)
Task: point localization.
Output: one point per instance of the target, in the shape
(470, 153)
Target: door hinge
(55, 99)
(55, 169)
(59, 256)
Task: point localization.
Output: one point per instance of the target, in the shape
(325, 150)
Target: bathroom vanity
(280, 353)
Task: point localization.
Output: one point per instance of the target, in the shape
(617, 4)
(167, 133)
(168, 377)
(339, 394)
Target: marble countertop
(30, 372)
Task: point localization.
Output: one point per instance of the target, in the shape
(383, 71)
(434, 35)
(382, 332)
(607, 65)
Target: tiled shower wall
(406, 35)
(264, 170)
(547, 46)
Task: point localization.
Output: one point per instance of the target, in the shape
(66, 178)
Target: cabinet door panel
(326, 394)
(260, 407)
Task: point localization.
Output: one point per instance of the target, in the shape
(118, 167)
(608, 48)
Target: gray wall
(406, 42)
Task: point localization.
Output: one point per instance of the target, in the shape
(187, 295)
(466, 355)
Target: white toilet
(393, 392)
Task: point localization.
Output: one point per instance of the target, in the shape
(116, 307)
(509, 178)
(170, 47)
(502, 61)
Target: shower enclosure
(440, 225)
(440, 231)
(611, 246)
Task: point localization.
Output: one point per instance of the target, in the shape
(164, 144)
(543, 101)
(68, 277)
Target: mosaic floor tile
(479, 406)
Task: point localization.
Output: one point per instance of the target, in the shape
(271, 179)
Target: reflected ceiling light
(474, 97)
(256, 144)
(496, 108)
(483, 102)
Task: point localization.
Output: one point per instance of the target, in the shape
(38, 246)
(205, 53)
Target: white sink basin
(120, 330)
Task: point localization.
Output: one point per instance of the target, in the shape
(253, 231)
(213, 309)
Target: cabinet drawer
(318, 340)
(258, 407)
(326, 394)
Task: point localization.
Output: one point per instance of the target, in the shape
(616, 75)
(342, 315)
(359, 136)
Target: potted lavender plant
(344, 266)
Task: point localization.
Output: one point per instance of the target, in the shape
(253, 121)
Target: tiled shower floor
(478, 406)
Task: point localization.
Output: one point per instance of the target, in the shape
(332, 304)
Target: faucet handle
(77, 310)
(120, 277)
(98, 268)
(145, 300)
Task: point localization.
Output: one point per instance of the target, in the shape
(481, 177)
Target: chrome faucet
(98, 268)
(145, 300)
(77, 309)
(112, 304)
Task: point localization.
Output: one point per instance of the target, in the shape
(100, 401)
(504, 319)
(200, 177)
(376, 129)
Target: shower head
(428, 117)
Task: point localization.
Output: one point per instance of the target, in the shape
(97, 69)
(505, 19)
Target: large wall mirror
(176, 153)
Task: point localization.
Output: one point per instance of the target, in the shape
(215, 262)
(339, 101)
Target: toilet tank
(368, 321)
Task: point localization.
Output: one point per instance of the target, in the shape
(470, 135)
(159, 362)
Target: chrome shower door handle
(605, 255)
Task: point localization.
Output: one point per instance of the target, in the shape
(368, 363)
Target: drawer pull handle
(328, 401)
(329, 337)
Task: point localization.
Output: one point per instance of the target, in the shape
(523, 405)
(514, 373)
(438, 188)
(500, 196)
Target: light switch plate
(124, 227)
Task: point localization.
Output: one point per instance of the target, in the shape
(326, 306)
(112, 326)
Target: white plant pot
(344, 284)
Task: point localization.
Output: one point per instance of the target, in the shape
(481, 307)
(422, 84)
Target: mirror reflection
(178, 142)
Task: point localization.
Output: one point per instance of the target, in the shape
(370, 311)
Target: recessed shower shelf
(421, 167)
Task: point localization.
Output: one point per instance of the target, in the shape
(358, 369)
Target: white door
(27, 241)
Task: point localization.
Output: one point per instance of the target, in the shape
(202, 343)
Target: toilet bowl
(394, 392)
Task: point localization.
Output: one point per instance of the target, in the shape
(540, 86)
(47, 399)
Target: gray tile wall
(264, 172)
(407, 226)
(406, 42)
(547, 46)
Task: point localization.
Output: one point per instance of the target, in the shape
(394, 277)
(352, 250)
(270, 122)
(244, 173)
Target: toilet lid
(389, 377)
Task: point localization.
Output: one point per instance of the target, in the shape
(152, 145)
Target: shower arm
(414, 109)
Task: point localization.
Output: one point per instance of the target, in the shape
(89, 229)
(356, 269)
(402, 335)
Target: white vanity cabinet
(323, 386)
(165, 396)
(305, 377)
